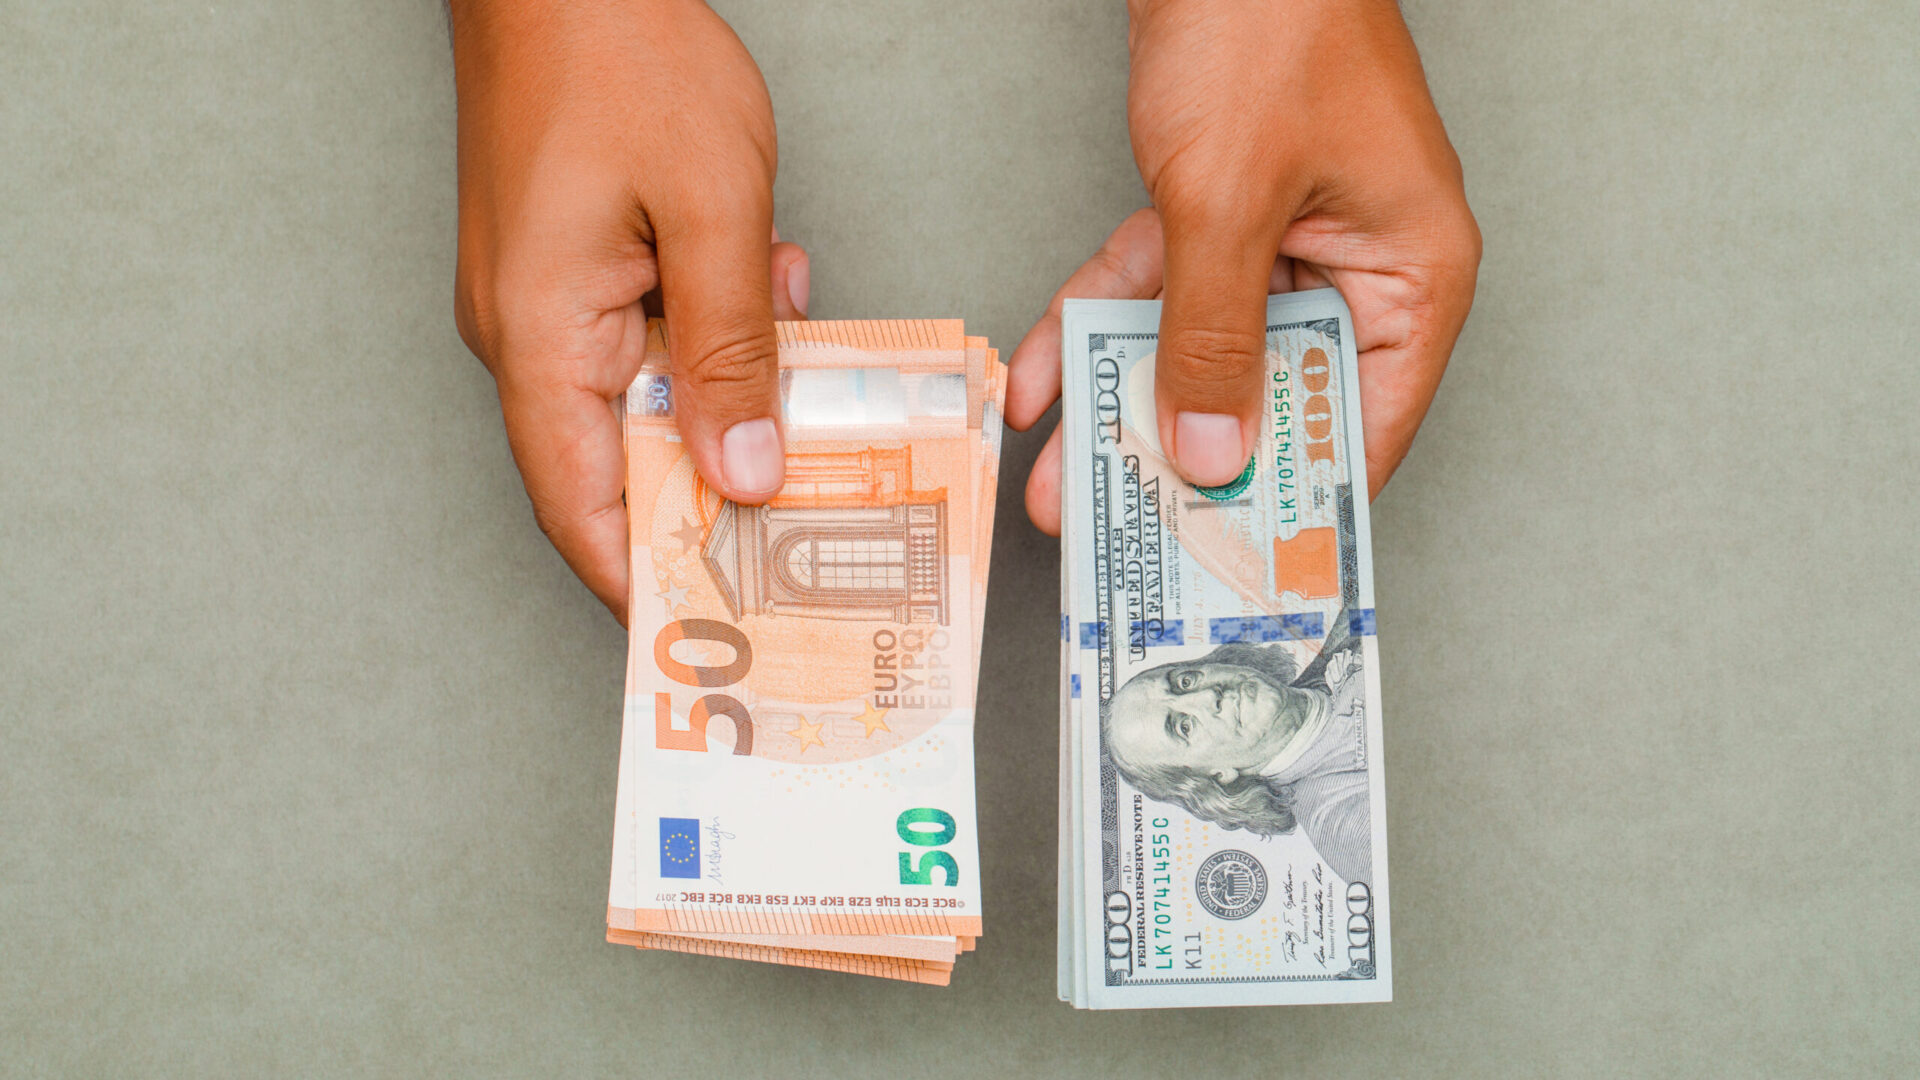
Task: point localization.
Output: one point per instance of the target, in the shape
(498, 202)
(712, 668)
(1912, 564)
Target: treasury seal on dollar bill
(1231, 884)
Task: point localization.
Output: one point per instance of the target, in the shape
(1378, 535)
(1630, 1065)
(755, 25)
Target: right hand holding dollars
(1308, 154)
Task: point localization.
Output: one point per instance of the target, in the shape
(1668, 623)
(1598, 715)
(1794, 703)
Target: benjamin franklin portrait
(1242, 738)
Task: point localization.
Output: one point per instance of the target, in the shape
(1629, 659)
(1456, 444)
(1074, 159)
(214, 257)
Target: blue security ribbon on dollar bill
(1301, 626)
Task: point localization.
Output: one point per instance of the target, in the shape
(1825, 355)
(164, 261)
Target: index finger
(566, 440)
(1127, 267)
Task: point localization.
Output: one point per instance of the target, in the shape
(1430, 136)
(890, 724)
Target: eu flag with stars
(680, 847)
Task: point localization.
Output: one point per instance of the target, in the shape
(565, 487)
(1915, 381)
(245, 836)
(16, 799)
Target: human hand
(610, 155)
(1285, 146)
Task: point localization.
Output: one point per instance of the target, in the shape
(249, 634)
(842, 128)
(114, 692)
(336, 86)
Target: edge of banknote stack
(1222, 805)
(796, 767)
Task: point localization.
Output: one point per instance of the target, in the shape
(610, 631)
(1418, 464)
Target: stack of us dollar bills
(796, 763)
(1222, 816)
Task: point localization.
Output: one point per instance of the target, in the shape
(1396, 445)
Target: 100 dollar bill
(1228, 832)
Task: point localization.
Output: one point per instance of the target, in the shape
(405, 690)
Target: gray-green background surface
(307, 738)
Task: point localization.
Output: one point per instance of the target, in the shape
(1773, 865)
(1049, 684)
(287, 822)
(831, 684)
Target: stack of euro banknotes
(1222, 813)
(796, 762)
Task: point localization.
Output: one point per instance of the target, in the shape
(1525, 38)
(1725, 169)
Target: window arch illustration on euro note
(848, 538)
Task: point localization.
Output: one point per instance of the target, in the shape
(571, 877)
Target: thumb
(715, 292)
(1212, 348)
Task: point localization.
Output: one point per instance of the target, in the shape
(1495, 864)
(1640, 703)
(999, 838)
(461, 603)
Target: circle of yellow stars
(666, 847)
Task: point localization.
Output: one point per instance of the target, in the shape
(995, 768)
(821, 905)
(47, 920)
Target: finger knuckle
(1207, 197)
(1457, 250)
(1206, 209)
(560, 507)
(1114, 267)
(716, 199)
(1457, 236)
(551, 519)
(474, 315)
(504, 322)
(1146, 219)
(1470, 227)
(498, 315)
(561, 524)
(1205, 359)
(736, 361)
(1471, 245)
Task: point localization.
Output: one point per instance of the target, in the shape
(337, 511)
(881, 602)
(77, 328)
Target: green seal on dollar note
(1232, 488)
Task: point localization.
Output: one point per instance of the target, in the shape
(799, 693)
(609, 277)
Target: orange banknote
(796, 772)
(853, 963)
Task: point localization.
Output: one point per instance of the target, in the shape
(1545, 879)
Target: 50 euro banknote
(796, 764)
(1223, 825)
